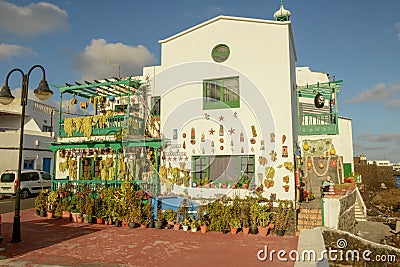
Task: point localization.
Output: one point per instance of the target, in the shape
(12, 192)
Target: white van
(32, 181)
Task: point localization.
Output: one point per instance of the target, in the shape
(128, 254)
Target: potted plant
(203, 219)
(283, 215)
(88, 209)
(263, 220)
(160, 219)
(234, 224)
(254, 213)
(245, 215)
(193, 224)
(146, 215)
(41, 203)
(170, 217)
(185, 224)
(52, 199)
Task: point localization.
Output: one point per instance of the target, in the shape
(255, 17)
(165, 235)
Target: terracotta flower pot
(99, 220)
(144, 226)
(234, 231)
(246, 230)
(203, 229)
(49, 215)
(263, 231)
(177, 226)
(79, 219)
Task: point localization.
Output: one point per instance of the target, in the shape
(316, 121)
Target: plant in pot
(185, 224)
(160, 219)
(194, 223)
(254, 213)
(74, 206)
(263, 220)
(65, 209)
(88, 209)
(146, 215)
(41, 203)
(234, 224)
(170, 217)
(283, 216)
(245, 215)
(52, 199)
(99, 210)
(203, 219)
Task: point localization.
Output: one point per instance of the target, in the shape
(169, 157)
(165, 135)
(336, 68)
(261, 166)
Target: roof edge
(222, 17)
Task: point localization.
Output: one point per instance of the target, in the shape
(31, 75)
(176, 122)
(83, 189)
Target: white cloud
(100, 60)
(7, 51)
(398, 28)
(392, 104)
(380, 93)
(31, 20)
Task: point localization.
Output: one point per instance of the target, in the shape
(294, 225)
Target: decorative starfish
(174, 158)
(221, 118)
(231, 131)
(186, 158)
(180, 158)
(212, 131)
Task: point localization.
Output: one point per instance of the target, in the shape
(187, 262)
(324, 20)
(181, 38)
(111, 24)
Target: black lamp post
(43, 92)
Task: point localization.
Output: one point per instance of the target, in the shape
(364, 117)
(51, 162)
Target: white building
(227, 90)
(40, 120)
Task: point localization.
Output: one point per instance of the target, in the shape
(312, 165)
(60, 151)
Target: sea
(397, 177)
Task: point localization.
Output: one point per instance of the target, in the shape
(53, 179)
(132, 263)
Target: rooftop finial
(282, 14)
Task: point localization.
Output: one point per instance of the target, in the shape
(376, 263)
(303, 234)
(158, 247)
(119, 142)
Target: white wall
(262, 56)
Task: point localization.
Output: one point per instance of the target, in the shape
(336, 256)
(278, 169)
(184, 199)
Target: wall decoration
(192, 133)
(309, 164)
(286, 187)
(184, 145)
(269, 183)
(285, 152)
(232, 143)
(262, 160)
(241, 137)
(334, 163)
(318, 148)
(262, 146)
(253, 131)
(193, 141)
(221, 147)
(319, 100)
(289, 165)
(221, 118)
(203, 151)
(184, 135)
(221, 140)
(306, 146)
(283, 139)
(175, 134)
(252, 141)
(221, 130)
(242, 150)
(332, 151)
(252, 149)
(285, 179)
(269, 172)
(235, 115)
(274, 155)
(207, 116)
(211, 131)
(231, 131)
(272, 137)
(321, 164)
(203, 137)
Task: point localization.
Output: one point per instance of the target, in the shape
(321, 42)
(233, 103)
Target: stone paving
(51, 242)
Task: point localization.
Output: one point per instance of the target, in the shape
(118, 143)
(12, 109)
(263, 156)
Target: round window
(220, 53)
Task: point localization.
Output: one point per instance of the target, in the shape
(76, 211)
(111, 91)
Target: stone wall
(347, 219)
(344, 242)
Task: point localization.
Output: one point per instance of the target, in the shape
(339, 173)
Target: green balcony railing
(318, 124)
(111, 127)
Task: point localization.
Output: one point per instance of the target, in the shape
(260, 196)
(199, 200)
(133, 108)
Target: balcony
(318, 124)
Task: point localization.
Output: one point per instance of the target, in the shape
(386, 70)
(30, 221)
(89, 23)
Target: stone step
(308, 211)
(302, 227)
(309, 216)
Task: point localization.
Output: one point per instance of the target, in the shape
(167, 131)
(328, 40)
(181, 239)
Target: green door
(347, 169)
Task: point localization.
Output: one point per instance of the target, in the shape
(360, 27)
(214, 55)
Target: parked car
(32, 181)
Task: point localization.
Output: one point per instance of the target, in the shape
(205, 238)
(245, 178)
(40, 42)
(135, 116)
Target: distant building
(38, 133)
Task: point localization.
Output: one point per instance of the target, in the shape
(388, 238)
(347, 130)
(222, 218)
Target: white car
(32, 181)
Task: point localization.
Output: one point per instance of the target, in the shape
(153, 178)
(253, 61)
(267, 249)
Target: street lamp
(43, 92)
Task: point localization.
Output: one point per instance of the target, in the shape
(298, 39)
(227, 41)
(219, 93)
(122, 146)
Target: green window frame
(220, 53)
(201, 167)
(221, 93)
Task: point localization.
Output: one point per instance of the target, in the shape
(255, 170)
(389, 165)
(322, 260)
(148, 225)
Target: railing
(110, 127)
(315, 124)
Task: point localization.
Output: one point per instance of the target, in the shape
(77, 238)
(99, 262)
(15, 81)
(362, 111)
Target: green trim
(222, 103)
(218, 55)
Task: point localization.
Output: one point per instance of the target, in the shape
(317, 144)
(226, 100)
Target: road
(8, 204)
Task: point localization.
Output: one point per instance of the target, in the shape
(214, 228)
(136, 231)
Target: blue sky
(356, 41)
